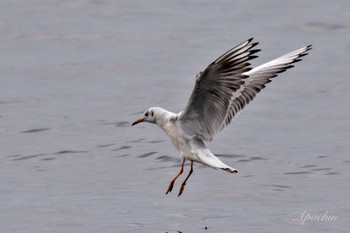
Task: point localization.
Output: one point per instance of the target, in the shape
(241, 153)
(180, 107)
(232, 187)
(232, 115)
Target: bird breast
(177, 137)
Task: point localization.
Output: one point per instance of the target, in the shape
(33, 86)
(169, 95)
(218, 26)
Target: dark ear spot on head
(152, 113)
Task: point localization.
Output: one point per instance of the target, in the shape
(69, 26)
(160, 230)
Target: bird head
(148, 116)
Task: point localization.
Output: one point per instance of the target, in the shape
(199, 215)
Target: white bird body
(221, 91)
(189, 146)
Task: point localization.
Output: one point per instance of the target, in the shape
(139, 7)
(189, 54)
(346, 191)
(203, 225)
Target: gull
(220, 92)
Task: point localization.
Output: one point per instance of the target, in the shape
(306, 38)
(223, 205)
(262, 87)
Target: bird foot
(170, 187)
(181, 189)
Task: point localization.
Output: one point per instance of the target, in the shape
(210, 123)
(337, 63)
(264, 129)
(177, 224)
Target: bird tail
(211, 160)
(201, 153)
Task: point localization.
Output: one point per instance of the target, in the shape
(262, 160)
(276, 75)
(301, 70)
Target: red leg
(184, 183)
(170, 187)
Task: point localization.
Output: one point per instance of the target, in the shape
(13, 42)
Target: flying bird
(220, 92)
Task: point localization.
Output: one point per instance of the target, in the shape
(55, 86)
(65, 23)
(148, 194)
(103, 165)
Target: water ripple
(35, 130)
(146, 155)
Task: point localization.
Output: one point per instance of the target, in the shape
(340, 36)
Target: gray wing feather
(258, 78)
(206, 109)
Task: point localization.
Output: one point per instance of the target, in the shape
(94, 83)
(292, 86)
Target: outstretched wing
(206, 109)
(258, 78)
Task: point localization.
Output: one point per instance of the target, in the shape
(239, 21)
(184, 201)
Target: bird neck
(164, 117)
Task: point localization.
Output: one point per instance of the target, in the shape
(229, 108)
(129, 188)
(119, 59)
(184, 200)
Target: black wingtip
(309, 47)
(253, 57)
(255, 51)
(253, 44)
(304, 53)
(250, 39)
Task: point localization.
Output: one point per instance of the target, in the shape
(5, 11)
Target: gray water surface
(75, 74)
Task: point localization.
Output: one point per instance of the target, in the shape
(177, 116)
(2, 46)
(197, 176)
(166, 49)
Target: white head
(150, 115)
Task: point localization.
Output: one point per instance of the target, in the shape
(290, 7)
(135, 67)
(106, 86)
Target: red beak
(137, 121)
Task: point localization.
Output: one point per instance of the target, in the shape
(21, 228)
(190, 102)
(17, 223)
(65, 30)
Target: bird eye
(146, 114)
